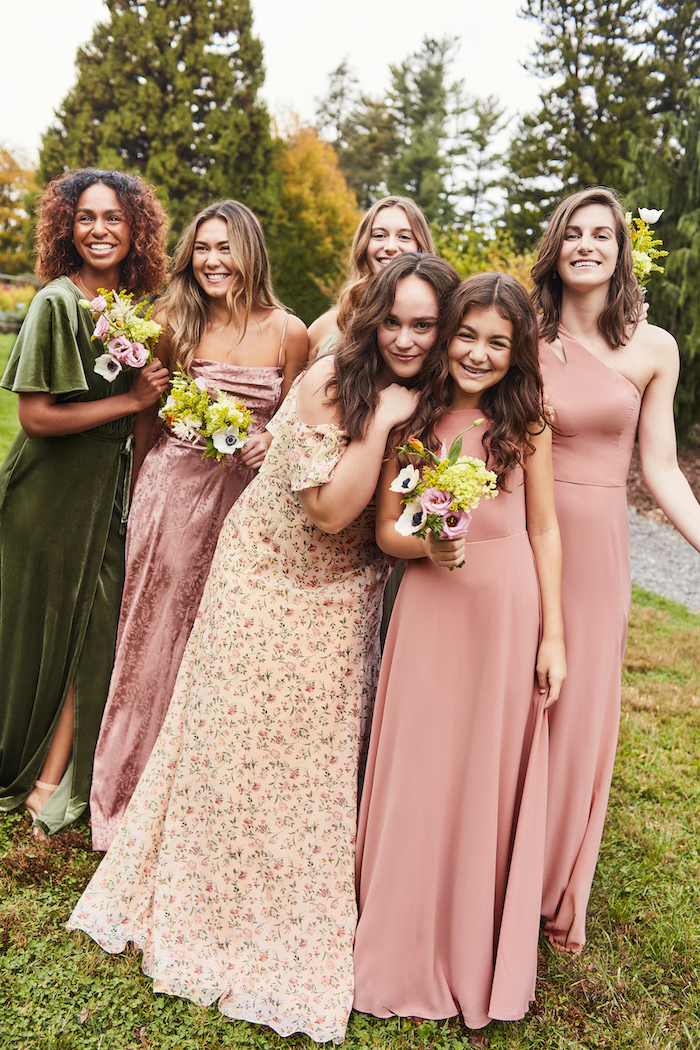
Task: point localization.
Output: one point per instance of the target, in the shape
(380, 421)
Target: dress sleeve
(46, 356)
(316, 452)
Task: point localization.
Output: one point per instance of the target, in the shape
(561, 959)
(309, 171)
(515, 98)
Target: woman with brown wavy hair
(451, 825)
(224, 327)
(391, 226)
(606, 377)
(64, 490)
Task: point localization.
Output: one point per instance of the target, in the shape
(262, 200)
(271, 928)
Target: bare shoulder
(320, 330)
(653, 339)
(296, 329)
(312, 400)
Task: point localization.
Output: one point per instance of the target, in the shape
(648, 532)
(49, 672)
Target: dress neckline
(590, 353)
(230, 364)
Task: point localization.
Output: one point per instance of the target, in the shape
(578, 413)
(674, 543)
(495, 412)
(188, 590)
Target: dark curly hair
(143, 269)
(514, 405)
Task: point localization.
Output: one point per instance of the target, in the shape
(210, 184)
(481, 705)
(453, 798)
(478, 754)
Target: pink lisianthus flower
(119, 347)
(101, 327)
(99, 303)
(436, 501)
(136, 355)
(456, 523)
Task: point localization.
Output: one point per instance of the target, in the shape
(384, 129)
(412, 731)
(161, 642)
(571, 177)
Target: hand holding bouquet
(193, 415)
(439, 497)
(128, 334)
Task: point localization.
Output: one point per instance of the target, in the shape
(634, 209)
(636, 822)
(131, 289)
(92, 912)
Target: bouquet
(644, 248)
(193, 415)
(128, 334)
(438, 498)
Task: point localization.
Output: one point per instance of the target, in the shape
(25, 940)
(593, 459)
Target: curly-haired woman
(64, 490)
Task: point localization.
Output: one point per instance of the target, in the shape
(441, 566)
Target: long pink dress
(180, 502)
(452, 818)
(233, 869)
(597, 411)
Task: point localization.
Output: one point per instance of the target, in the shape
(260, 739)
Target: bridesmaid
(391, 226)
(222, 324)
(605, 374)
(64, 488)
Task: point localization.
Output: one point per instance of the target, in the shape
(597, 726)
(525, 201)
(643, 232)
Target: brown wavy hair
(625, 297)
(359, 272)
(359, 365)
(514, 405)
(185, 302)
(143, 269)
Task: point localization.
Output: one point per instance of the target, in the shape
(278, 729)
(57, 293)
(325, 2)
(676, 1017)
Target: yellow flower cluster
(141, 329)
(226, 412)
(468, 480)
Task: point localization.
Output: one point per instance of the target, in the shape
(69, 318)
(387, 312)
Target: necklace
(89, 294)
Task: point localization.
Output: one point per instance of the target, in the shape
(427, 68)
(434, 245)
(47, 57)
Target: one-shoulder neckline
(590, 353)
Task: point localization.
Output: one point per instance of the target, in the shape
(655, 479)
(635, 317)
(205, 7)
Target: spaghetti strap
(284, 332)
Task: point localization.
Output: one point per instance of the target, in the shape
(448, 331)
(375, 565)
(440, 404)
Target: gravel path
(662, 561)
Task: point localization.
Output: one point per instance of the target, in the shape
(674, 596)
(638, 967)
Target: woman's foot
(37, 799)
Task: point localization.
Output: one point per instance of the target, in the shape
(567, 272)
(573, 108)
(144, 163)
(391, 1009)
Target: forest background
(171, 89)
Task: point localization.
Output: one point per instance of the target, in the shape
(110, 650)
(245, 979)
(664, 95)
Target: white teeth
(101, 247)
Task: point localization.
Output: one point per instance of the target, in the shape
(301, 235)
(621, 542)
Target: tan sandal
(43, 786)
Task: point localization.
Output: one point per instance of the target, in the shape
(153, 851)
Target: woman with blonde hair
(64, 489)
(222, 325)
(392, 225)
(606, 377)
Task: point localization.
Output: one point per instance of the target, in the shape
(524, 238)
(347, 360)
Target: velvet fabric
(61, 557)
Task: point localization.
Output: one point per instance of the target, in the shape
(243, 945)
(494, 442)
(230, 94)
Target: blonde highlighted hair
(360, 273)
(186, 303)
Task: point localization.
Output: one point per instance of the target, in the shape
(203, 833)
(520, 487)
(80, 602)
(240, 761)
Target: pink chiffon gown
(233, 868)
(597, 410)
(452, 818)
(180, 503)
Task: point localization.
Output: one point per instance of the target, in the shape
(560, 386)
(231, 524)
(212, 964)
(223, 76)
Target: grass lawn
(8, 404)
(636, 984)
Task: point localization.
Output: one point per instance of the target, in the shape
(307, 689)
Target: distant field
(8, 401)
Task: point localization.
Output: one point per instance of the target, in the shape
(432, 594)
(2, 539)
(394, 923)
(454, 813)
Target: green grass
(636, 986)
(9, 424)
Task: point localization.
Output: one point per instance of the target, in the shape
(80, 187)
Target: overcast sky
(303, 41)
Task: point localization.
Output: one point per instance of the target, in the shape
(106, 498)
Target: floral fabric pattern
(233, 867)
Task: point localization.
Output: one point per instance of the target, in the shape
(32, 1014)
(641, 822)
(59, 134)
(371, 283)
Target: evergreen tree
(168, 89)
(597, 86)
(367, 145)
(675, 38)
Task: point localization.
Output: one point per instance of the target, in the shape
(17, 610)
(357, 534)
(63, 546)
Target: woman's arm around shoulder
(333, 506)
(657, 435)
(543, 532)
(320, 330)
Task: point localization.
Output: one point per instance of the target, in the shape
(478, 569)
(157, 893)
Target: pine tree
(168, 89)
(597, 83)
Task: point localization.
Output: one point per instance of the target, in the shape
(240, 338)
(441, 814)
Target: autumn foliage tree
(16, 182)
(168, 89)
(310, 237)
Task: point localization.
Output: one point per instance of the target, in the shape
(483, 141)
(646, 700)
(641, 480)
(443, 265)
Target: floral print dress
(233, 867)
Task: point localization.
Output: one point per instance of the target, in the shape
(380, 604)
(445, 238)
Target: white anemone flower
(107, 367)
(650, 215)
(227, 440)
(408, 478)
(412, 519)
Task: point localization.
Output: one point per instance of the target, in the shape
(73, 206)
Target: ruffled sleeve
(316, 450)
(46, 357)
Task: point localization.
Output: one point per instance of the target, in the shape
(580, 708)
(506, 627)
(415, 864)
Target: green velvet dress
(61, 557)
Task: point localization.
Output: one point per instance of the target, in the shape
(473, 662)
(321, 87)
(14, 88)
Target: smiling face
(479, 355)
(211, 259)
(391, 233)
(100, 231)
(589, 251)
(407, 335)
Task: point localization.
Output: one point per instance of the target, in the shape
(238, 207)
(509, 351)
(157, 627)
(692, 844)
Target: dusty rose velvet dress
(452, 818)
(598, 409)
(180, 502)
